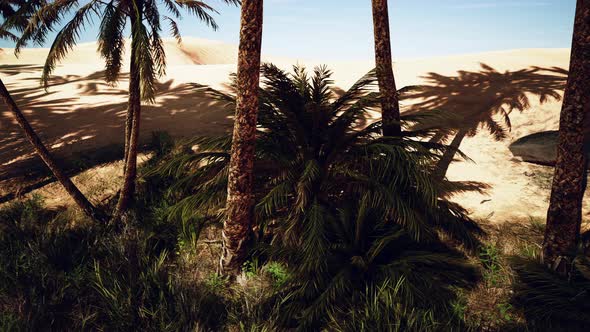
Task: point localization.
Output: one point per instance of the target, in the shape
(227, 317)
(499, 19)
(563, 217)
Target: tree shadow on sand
(70, 125)
(482, 100)
(11, 70)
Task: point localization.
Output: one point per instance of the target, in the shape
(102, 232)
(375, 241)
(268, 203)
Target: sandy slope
(81, 112)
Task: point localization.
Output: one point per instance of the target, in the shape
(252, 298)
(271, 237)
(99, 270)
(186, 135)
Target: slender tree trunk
(390, 113)
(128, 124)
(131, 130)
(445, 161)
(240, 199)
(42, 151)
(564, 216)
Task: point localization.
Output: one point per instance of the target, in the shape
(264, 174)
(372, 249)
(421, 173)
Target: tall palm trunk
(445, 161)
(240, 199)
(564, 216)
(390, 113)
(131, 126)
(129, 118)
(42, 151)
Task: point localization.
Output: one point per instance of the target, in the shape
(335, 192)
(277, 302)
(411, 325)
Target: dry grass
(488, 307)
(98, 183)
(489, 304)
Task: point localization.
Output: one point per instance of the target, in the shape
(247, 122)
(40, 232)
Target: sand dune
(80, 111)
(192, 51)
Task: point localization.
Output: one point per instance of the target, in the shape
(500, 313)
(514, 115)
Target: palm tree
(564, 216)
(240, 201)
(483, 99)
(349, 210)
(313, 149)
(390, 104)
(147, 58)
(15, 14)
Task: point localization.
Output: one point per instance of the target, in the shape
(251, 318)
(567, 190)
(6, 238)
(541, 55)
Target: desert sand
(81, 112)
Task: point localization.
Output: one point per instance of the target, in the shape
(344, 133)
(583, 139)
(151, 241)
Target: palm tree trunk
(390, 113)
(128, 125)
(81, 200)
(240, 199)
(445, 161)
(131, 130)
(564, 215)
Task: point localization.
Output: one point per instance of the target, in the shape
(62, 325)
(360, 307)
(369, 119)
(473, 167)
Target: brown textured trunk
(445, 161)
(131, 131)
(240, 199)
(42, 151)
(128, 125)
(390, 114)
(564, 216)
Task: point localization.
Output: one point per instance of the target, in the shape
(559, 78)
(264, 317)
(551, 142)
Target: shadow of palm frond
(92, 115)
(484, 99)
(11, 70)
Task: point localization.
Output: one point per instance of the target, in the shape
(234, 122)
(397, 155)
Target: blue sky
(341, 29)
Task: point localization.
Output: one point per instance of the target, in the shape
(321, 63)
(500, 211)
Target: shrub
(551, 301)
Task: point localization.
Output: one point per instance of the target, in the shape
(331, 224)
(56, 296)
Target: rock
(538, 148)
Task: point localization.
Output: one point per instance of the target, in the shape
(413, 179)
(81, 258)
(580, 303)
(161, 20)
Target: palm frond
(67, 38)
(43, 21)
(142, 50)
(4, 34)
(111, 43)
(172, 7)
(174, 29)
(199, 9)
(549, 300)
